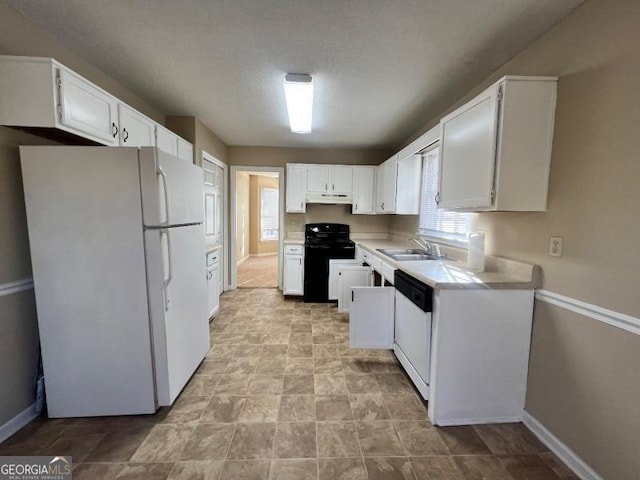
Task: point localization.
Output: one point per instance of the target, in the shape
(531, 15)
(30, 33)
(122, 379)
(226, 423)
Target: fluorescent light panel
(298, 92)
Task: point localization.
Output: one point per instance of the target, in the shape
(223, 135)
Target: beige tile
(324, 339)
(299, 366)
(560, 469)
(325, 351)
(145, 471)
(394, 383)
(260, 409)
(209, 441)
(296, 440)
(245, 470)
(389, 468)
(341, 469)
(405, 407)
(300, 351)
(223, 352)
(368, 407)
(266, 385)
(530, 467)
(270, 351)
(223, 409)
(163, 444)
(294, 469)
(252, 441)
(436, 468)
(337, 439)
(271, 365)
(379, 439)
(232, 385)
(208, 470)
(78, 440)
(509, 438)
(330, 384)
(384, 365)
(333, 408)
(300, 339)
(201, 385)
(93, 471)
(277, 338)
(420, 438)
(298, 384)
(480, 467)
(327, 365)
(355, 365)
(297, 408)
(280, 328)
(301, 328)
(212, 367)
(120, 444)
(361, 383)
(242, 366)
(463, 440)
(254, 338)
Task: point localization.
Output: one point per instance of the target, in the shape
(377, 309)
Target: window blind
(269, 214)
(433, 221)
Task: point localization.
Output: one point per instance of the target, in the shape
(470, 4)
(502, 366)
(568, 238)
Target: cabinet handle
(300, 260)
(382, 205)
(326, 186)
(437, 198)
(356, 206)
(333, 186)
(301, 206)
(114, 130)
(126, 135)
(352, 297)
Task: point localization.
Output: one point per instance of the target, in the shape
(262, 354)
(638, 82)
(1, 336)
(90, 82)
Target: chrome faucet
(431, 248)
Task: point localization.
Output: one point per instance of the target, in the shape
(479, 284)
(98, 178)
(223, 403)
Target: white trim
(225, 216)
(233, 278)
(20, 420)
(242, 260)
(564, 453)
(268, 254)
(15, 287)
(615, 319)
(455, 422)
(423, 141)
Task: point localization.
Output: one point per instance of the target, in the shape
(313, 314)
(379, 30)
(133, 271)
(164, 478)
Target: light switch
(555, 246)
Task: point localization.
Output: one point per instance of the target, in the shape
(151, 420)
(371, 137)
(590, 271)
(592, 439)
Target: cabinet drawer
(212, 258)
(293, 249)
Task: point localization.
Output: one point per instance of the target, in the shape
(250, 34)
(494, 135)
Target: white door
(341, 180)
(296, 188)
(318, 179)
(371, 317)
(413, 334)
(293, 275)
(334, 270)
(87, 109)
(351, 276)
(176, 276)
(166, 140)
(185, 150)
(364, 190)
(172, 190)
(136, 130)
(468, 152)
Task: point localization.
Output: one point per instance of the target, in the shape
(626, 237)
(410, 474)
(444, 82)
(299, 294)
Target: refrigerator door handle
(163, 175)
(167, 280)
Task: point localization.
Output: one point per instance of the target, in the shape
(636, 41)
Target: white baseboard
(243, 259)
(17, 422)
(268, 254)
(564, 453)
(15, 287)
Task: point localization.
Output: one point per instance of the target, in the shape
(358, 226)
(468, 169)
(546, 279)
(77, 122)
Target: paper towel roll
(475, 256)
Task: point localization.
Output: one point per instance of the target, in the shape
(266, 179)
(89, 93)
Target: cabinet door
(185, 150)
(341, 180)
(371, 317)
(136, 130)
(350, 276)
(296, 187)
(363, 190)
(380, 175)
(166, 140)
(213, 292)
(468, 152)
(389, 188)
(88, 110)
(293, 275)
(318, 179)
(334, 270)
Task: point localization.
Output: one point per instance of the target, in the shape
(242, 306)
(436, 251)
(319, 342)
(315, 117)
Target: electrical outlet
(555, 246)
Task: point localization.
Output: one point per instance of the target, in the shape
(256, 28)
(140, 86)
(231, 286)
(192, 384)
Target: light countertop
(500, 273)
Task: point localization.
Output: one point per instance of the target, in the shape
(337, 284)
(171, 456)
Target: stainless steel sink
(408, 254)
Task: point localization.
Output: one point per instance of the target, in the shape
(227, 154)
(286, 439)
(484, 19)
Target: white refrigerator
(118, 256)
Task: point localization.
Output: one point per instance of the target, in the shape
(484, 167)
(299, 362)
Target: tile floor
(281, 396)
(258, 272)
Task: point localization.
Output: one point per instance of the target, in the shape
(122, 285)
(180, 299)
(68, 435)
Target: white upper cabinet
(386, 188)
(318, 179)
(495, 150)
(166, 140)
(341, 179)
(296, 188)
(136, 130)
(364, 194)
(407, 188)
(185, 150)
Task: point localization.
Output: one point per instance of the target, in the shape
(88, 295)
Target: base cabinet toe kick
(465, 350)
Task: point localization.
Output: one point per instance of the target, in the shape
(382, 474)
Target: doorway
(257, 217)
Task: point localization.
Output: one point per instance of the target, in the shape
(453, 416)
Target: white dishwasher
(414, 301)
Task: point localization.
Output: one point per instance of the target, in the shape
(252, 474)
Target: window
(269, 214)
(435, 222)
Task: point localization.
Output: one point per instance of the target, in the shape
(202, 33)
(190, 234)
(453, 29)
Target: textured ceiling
(381, 68)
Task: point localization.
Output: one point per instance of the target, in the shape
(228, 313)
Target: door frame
(225, 215)
(233, 267)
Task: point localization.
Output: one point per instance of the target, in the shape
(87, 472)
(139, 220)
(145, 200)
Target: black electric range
(322, 242)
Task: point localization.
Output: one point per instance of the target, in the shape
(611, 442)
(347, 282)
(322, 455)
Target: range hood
(329, 198)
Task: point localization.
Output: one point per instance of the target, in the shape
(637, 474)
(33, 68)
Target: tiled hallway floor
(258, 272)
(282, 396)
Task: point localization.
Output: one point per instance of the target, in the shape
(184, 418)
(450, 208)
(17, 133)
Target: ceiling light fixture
(298, 92)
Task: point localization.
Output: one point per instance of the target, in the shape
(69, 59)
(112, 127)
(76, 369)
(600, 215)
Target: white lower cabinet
(350, 276)
(371, 317)
(213, 282)
(334, 274)
(293, 282)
